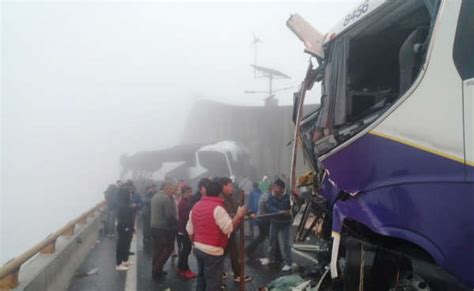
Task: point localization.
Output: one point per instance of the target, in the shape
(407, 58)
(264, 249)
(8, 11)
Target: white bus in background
(190, 162)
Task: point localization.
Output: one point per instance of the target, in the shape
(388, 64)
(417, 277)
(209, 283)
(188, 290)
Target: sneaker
(127, 264)
(246, 278)
(287, 267)
(121, 267)
(225, 275)
(264, 261)
(189, 274)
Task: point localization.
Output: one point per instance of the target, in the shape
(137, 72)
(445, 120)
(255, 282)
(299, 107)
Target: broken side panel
(311, 37)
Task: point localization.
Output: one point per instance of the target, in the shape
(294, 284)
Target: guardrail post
(49, 248)
(10, 281)
(9, 271)
(69, 231)
(82, 220)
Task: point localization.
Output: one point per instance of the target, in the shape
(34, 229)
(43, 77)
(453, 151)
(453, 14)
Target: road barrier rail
(10, 270)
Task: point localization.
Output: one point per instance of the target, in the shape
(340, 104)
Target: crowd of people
(206, 222)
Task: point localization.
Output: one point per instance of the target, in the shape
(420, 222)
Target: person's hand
(253, 216)
(241, 211)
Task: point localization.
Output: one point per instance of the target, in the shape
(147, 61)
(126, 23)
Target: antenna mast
(267, 73)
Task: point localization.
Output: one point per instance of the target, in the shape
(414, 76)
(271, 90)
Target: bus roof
(360, 11)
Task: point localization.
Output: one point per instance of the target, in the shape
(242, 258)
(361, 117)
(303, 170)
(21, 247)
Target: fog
(85, 82)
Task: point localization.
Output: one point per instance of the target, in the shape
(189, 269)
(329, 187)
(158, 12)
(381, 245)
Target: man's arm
(190, 228)
(223, 220)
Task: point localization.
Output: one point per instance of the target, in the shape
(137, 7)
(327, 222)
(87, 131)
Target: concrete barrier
(53, 272)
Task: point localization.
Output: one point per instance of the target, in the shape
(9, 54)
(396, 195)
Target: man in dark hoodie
(279, 201)
(125, 225)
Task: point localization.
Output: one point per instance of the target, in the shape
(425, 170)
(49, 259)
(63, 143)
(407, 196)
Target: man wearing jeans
(280, 224)
(209, 227)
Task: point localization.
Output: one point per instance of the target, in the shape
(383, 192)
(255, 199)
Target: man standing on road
(146, 215)
(125, 225)
(164, 225)
(231, 204)
(110, 196)
(262, 223)
(184, 244)
(209, 227)
(280, 224)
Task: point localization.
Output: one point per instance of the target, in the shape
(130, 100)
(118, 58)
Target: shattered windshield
(367, 68)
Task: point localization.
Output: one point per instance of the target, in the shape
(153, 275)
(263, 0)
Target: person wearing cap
(209, 227)
(164, 224)
(280, 224)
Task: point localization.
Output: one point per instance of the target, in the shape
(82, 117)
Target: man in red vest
(209, 227)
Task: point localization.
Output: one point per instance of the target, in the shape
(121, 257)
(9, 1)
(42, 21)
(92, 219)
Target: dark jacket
(195, 198)
(137, 200)
(276, 204)
(184, 207)
(110, 196)
(232, 202)
(125, 216)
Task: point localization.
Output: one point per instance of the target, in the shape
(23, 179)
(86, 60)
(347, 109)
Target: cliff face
(265, 131)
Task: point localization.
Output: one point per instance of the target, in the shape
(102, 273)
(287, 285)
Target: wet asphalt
(102, 258)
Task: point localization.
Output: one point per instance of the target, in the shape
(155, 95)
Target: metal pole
(255, 62)
(271, 214)
(270, 85)
(242, 246)
(296, 136)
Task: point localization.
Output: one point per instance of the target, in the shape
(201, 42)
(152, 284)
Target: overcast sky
(84, 82)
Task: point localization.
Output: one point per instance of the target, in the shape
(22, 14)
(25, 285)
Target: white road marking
(131, 279)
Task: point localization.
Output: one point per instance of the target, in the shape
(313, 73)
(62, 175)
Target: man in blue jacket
(280, 225)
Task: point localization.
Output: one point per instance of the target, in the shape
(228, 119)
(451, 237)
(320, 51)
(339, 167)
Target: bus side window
(464, 42)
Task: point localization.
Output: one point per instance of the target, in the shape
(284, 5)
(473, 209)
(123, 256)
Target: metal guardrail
(10, 270)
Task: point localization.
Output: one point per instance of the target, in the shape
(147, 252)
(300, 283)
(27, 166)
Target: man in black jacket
(125, 225)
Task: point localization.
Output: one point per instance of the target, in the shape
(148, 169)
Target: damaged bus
(392, 144)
